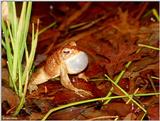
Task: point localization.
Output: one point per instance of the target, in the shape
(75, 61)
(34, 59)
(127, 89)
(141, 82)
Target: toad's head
(76, 60)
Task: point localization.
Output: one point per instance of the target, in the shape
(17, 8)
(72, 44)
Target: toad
(66, 60)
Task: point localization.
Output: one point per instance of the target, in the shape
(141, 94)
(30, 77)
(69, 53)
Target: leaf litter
(110, 43)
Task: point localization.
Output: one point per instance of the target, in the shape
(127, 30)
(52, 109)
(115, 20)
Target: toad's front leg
(65, 81)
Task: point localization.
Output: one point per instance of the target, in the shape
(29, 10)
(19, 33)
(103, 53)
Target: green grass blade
(122, 90)
(120, 75)
(153, 77)
(9, 54)
(25, 29)
(18, 40)
(3, 44)
(149, 46)
(15, 22)
(155, 13)
(10, 16)
(11, 37)
(20, 78)
(27, 69)
(49, 26)
(92, 100)
(117, 79)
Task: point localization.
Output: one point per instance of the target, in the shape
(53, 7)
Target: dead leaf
(116, 109)
(10, 96)
(153, 112)
(130, 116)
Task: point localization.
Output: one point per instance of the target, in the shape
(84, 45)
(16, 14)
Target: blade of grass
(15, 34)
(155, 13)
(133, 95)
(17, 43)
(77, 25)
(92, 100)
(13, 18)
(10, 16)
(19, 78)
(147, 13)
(118, 78)
(15, 22)
(19, 37)
(31, 56)
(11, 37)
(153, 77)
(9, 55)
(7, 44)
(89, 24)
(26, 27)
(152, 84)
(3, 44)
(28, 68)
(24, 20)
(130, 97)
(26, 53)
(149, 46)
(49, 26)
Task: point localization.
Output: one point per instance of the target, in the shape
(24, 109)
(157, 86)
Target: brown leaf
(130, 116)
(35, 116)
(74, 16)
(4, 62)
(10, 96)
(116, 109)
(53, 93)
(5, 74)
(68, 113)
(46, 39)
(153, 112)
(91, 112)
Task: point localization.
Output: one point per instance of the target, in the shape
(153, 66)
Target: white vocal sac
(77, 63)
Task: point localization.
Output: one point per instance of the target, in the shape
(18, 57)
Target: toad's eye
(66, 51)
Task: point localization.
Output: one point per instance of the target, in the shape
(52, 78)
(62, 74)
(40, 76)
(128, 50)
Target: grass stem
(49, 26)
(15, 43)
(130, 97)
(93, 100)
(149, 46)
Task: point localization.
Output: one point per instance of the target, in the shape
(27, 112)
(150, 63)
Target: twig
(80, 36)
(74, 16)
(143, 8)
(89, 24)
(152, 84)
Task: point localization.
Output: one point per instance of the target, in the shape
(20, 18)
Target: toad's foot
(83, 76)
(66, 82)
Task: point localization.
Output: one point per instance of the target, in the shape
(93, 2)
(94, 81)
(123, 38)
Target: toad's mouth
(77, 63)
